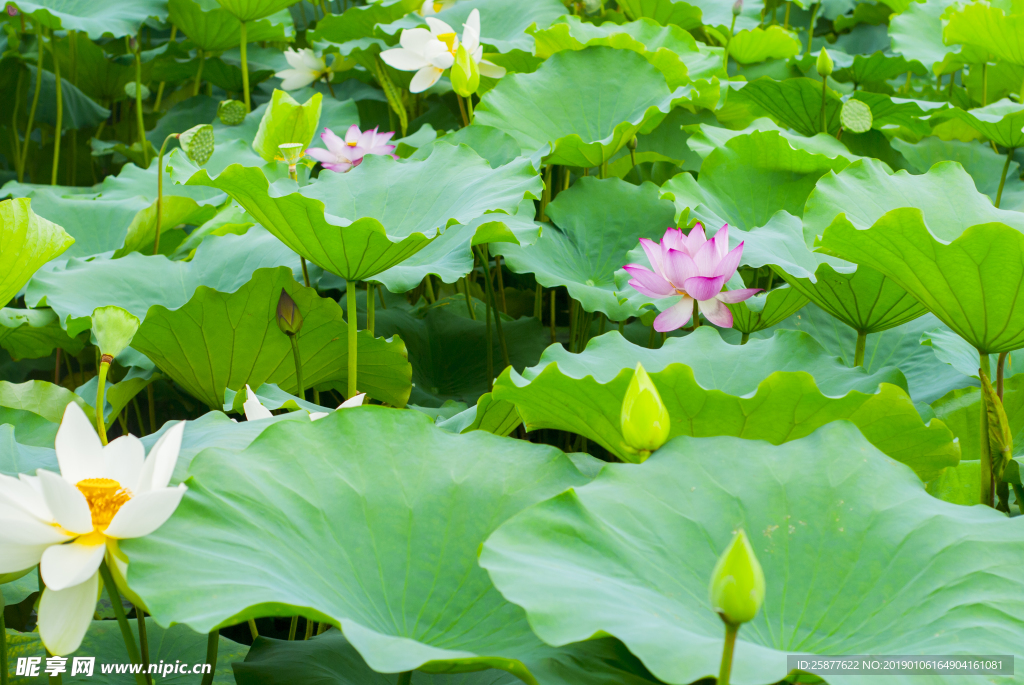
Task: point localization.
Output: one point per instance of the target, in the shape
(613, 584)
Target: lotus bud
(737, 8)
(197, 142)
(644, 421)
(231, 112)
(289, 318)
(632, 143)
(465, 75)
(737, 583)
(12, 11)
(824, 65)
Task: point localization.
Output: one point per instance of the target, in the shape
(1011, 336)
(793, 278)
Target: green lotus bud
(197, 142)
(644, 420)
(465, 74)
(737, 583)
(231, 112)
(824, 64)
(289, 318)
(631, 144)
(737, 8)
(113, 328)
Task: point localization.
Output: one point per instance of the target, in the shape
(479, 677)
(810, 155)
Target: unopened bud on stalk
(737, 8)
(632, 143)
(465, 75)
(289, 318)
(12, 11)
(645, 422)
(824, 65)
(737, 583)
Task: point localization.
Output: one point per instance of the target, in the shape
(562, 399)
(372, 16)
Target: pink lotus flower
(342, 155)
(694, 267)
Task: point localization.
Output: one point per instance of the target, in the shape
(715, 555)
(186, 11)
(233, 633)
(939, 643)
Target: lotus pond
(482, 342)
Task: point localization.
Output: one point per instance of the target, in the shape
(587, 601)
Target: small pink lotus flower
(12, 11)
(694, 267)
(342, 155)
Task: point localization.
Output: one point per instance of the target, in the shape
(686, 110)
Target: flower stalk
(1002, 179)
(353, 341)
(60, 111)
(23, 157)
(139, 120)
(289, 320)
(122, 620)
(101, 388)
(985, 455)
(212, 642)
(245, 67)
(160, 192)
(858, 354)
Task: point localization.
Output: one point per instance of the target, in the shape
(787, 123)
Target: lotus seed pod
(737, 583)
(645, 421)
(289, 318)
(197, 142)
(856, 116)
(824, 64)
(291, 152)
(231, 112)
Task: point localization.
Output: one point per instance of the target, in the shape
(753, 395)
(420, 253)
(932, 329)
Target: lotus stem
(23, 157)
(985, 477)
(293, 627)
(305, 271)
(554, 337)
(14, 122)
(725, 54)
(160, 88)
(371, 314)
(245, 68)
(429, 292)
(725, 670)
(469, 108)
(140, 121)
(101, 389)
(252, 629)
(546, 195)
(858, 354)
(353, 342)
(501, 283)
(293, 339)
(789, 6)
(462, 110)
(160, 192)
(212, 642)
(538, 303)
(824, 98)
(405, 678)
(309, 629)
(490, 346)
(3, 642)
(984, 84)
(199, 73)
(696, 316)
(140, 619)
(1000, 370)
(152, 408)
(810, 31)
(493, 303)
(1002, 179)
(469, 298)
(60, 113)
(744, 338)
(122, 620)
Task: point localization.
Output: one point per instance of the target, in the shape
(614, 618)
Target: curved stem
(293, 339)
(462, 110)
(858, 354)
(245, 68)
(469, 298)
(353, 341)
(305, 271)
(122, 620)
(810, 31)
(139, 120)
(728, 41)
(985, 477)
(101, 389)
(199, 73)
(1002, 179)
(60, 114)
(14, 123)
(725, 670)
(160, 88)
(140, 619)
(160, 192)
(212, 642)
(35, 100)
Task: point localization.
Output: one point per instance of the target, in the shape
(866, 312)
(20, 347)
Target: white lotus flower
(428, 53)
(434, 6)
(68, 522)
(254, 409)
(471, 41)
(306, 68)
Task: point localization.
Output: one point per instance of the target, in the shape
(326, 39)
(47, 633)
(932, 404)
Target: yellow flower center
(449, 40)
(438, 6)
(105, 497)
(353, 143)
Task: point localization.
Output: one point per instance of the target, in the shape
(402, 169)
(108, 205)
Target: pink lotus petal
(673, 240)
(695, 239)
(340, 167)
(738, 295)
(703, 288)
(322, 155)
(721, 241)
(353, 135)
(653, 252)
(706, 260)
(716, 312)
(648, 282)
(333, 142)
(727, 266)
(676, 316)
(677, 267)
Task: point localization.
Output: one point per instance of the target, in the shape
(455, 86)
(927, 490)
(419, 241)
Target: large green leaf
(250, 10)
(95, 18)
(747, 180)
(707, 137)
(777, 390)
(580, 107)
(765, 310)
(215, 29)
(758, 44)
(794, 103)
(1001, 122)
(988, 29)
(286, 121)
(692, 13)
(358, 21)
(34, 333)
(96, 75)
(877, 68)
(27, 241)
(857, 559)
(219, 340)
(597, 223)
(916, 34)
(362, 222)
(397, 530)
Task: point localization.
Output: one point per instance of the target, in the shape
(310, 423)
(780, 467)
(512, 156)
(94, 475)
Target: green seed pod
(113, 329)
(645, 422)
(197, 142)
(465, 76)
(856, 116)
(737, 583)
(291, 152)
(824, 65)
(231, 112)
(289, 318)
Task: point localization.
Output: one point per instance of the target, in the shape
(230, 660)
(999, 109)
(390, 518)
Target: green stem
(160, 192)
(1002, 179)
(140, 619)
(696, 316)
(858, 354)
(545, 197)
(554, 336)
(160, 88)
(35, 101)
(60, 114)
(353, 343)
(985, 479)
(140, 122)
(122, 620)
(725, 670)
(810, 31)
(371, 314)
(462, 110)
(1000, 371)
(305, 271)
(469, 298)
(429, 285)
(789, 6)
(725, 54)
(984, 84)
(101, 389)
(405, 678)
(3, 643)
(252, 629)
(199, 73)
(245, 68)
(293, 627)
(152, 408)
(744, 338)
(212, 642)
(490, 347)
(309, 629)
(293, 339)
(469, 108)
(493, 300)
(824, 97)
(14, 122)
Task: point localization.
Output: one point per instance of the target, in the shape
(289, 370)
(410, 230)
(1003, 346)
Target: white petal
(20, 494)
(18, 527)
(20, 557)
(293, 57)
(68, 504)
(123, 459)
(354, 401)
(144, 513)
(159, 466)
(424, 78)
(414, 40)
(316, 415)
(65, 566)
(403, 60)
(65, 615)
(254, 409)
(471, 32)
(308, 60)
(442, 59)
(438, 27)
(293, 79)
(79, 450)
(491, 70)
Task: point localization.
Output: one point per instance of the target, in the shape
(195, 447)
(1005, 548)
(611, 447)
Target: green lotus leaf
(271, 397)
(881, 565)
(987, 29)
(765, 310)
(877, 67)
(794, 103)
(286, 121)
(758, 44)
(706, 138)
(331, 660)
(488, 414)
(497, 147)
(777, 390)
(117, 395)
(176, 210)
(1001, 122)
(692, 13)
(27, 241)
(97, 76)
(958, 485)
(78, 110)
(34, 333)
(916, 33)
(360, 223)
(45, 401)
(96, 19)
(251, 10)
(669, 49)
(444, 617)
(215, 29)
(137, 282)
(953, 350)
(887, 112)
(596, 224)
(577, 109)
(358, 21)
(221, 340)
(171, 646)
(747, 180)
